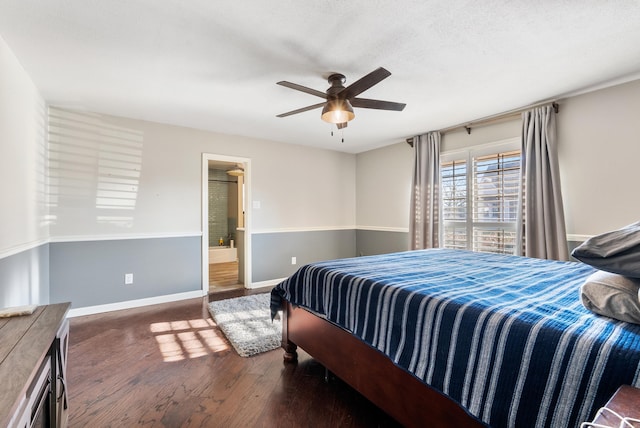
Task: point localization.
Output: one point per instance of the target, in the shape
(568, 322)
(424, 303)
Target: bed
(455, 338)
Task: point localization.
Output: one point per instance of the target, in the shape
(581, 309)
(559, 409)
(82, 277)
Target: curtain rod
(494, 118)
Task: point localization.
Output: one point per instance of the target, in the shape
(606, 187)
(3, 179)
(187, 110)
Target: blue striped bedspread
(504, 336)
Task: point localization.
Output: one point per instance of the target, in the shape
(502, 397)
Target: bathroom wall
(218, 206)
(232, 209)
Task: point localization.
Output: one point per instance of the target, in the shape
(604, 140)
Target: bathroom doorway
(225, 223)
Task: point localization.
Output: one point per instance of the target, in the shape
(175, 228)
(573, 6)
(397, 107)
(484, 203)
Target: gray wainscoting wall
(271, 252)
(370, 242)
(91, 273)
(24, 278)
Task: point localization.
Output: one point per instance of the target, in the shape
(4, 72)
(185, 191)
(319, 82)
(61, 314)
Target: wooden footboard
(394, 390)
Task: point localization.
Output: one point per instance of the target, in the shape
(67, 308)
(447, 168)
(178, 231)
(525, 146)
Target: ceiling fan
(338, 107)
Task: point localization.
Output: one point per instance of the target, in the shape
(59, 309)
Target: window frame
(468, 155)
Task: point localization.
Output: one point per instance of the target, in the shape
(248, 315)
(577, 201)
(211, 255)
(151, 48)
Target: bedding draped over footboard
(504, 336)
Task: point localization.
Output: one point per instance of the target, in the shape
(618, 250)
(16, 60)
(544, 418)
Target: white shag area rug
(246, 321)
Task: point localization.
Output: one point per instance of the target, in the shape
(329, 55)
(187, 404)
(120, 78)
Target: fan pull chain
(341, 134)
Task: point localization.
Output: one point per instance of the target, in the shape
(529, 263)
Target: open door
(225, 222)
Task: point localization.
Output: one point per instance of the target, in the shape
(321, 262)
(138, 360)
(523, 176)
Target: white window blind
(480, 200)
(454, 203)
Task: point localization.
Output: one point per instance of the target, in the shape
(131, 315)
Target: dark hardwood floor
(169, 366)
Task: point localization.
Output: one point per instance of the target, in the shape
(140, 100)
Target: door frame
(246, 163)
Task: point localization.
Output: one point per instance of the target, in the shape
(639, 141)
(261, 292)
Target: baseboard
(129, 304)
(268, 283)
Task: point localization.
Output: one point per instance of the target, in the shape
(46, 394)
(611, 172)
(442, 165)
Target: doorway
(226, 263)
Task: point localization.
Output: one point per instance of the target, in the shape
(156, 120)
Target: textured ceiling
(214, 65)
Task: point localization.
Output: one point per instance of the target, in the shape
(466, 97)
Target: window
(480, 198)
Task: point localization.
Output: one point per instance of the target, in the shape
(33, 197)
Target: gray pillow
(617, 251)
(612, 295)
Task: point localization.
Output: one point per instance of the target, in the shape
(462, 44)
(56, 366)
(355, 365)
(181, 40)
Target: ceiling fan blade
(300, 110)
(377, 104)
(302, 89)
(359, 86)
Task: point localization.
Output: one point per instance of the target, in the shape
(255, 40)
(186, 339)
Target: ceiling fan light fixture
(338, 111)
(236, 172)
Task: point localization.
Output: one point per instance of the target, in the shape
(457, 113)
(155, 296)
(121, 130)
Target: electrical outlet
(293, 260)
(128, 278)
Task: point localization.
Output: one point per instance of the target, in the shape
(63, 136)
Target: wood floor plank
(169, 366)
(223, 274)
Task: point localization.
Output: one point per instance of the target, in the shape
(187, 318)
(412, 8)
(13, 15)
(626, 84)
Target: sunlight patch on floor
(179, 340)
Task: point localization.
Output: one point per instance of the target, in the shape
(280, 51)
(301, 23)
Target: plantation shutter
(454, 203)
(480, 201)
(496, 181)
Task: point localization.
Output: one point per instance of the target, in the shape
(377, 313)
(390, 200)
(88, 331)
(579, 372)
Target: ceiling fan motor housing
(337, 81)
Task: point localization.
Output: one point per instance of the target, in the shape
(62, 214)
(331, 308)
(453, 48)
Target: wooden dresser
(33, 360)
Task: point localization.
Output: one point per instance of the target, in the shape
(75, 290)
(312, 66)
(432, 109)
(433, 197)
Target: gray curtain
(424, 223)
(541, 219)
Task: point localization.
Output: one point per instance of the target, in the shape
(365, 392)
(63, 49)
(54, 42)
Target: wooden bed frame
(370, 372)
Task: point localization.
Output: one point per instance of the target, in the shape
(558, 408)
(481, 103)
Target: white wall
(459, 139)
(599, 153)
(383, 182)
(384, 175)
(24, 261)
(118, 177)
(22, 157)
(599, 148)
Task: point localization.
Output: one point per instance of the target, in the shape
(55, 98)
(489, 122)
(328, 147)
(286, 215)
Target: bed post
(290, 354)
